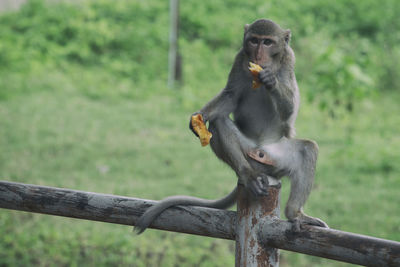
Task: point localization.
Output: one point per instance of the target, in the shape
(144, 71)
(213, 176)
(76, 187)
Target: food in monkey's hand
(200, 128)
(255, 70)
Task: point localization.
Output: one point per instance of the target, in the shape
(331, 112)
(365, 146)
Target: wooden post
(251, 213)
(174, 59)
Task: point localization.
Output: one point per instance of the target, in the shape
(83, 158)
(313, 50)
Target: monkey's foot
(298, 222)
(259, 185)
(261, 157)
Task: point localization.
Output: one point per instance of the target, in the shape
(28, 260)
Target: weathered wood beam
(331, 244)
(115, 209)
(327, 243)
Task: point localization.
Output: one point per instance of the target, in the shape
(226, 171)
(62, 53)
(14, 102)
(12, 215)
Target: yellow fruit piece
(200, 128)
(255, 70)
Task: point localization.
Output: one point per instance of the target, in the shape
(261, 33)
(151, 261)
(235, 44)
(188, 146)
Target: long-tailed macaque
(259, 141)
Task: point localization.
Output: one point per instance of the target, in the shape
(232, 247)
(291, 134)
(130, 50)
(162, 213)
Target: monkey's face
(265, 43)
(263, 49)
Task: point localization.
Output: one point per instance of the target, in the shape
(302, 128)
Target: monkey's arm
(283, 89)
(285, 100)
(220, 106)
(227, 100)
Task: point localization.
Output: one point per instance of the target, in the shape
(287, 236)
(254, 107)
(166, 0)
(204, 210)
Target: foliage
(96, 34)
(345, 50)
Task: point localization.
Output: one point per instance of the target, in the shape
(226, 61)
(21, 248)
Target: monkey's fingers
(199, 127)
(261, 157)
(259, 186)
(267, 77)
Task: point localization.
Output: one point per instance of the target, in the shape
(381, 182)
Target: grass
(140, 146)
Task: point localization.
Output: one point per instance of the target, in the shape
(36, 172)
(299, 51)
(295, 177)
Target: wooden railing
(256, 226)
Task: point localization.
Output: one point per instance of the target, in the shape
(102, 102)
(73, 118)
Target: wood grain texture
(271, 232)
(331, 244)
(115, 209)
(251, 214)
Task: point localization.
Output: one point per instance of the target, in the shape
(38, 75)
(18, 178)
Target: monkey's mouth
(263, 64)
(258, 62)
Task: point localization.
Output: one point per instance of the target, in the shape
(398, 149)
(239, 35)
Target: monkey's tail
(153, 212)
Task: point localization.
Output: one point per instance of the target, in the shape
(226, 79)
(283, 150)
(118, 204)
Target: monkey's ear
(287, 36)
(246, 27)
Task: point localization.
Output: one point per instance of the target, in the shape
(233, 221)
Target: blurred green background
(84, 105)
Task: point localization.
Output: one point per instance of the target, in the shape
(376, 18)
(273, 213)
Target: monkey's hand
(258, 186)
(268, 78)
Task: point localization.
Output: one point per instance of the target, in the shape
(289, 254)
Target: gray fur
(263, 122)
(151, 213)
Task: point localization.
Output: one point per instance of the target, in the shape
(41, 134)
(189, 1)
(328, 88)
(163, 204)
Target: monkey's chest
(256, 115)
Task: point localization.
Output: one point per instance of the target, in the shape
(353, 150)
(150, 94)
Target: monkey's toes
(314, 222)
(320, 223)
(297, 223)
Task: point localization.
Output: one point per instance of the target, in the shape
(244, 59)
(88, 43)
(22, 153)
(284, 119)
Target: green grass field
(142, 148)
(95, 115)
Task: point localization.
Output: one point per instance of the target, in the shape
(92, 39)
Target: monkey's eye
(254, 40)
(268, 42)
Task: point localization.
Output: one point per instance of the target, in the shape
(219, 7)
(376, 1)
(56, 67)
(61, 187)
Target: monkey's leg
(231, 146)
(298, 157)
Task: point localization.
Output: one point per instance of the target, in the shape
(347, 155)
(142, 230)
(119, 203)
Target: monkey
(259, 141)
